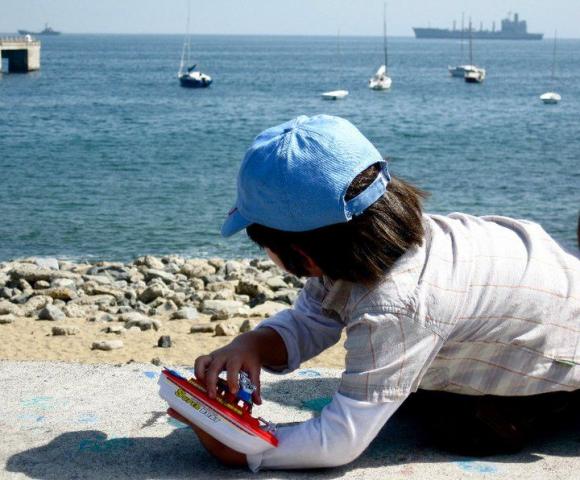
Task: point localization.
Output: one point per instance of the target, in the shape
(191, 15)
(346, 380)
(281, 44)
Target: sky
(283, 17)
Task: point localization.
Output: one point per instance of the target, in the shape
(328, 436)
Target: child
(485, 307)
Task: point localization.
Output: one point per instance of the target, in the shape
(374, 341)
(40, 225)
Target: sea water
(103, 155)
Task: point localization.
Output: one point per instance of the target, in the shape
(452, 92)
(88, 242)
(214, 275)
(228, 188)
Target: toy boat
(228, 417)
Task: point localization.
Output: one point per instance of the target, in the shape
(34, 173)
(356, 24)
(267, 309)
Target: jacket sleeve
(342, 432)
(305, 329)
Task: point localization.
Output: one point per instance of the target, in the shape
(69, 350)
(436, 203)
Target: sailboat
(188, 76)
(381, 80)
(459, 70)
(473, 74)
(551, 98)
(336, 94)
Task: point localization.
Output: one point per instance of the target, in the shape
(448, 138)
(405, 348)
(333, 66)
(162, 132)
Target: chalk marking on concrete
(316, 404)
(476, 467)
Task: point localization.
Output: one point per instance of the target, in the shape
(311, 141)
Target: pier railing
(18, 39)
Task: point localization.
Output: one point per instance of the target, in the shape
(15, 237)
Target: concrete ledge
(64, 421)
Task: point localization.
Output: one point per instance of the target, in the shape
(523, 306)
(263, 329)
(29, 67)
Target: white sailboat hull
(550, 98)
(335, 95)
(459, 71)
(380, 80)
(474, 75)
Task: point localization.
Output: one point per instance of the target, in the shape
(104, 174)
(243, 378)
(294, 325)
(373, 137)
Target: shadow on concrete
(91, 455)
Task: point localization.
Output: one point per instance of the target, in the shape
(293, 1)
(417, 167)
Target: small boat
(192, 78)
(472, 73)
(189, 77)
(336, 94)
(381, 80)
(551, 98)
(228, 418)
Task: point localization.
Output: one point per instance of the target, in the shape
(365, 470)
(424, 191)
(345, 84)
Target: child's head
(316, 191)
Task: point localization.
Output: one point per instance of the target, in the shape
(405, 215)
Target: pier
(23, 53)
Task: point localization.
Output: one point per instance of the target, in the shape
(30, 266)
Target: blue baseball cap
(294, 176)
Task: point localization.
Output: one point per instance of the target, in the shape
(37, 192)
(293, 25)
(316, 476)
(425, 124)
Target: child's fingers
(211, 375)
(233, 372)
(200, 366)
(254, 373)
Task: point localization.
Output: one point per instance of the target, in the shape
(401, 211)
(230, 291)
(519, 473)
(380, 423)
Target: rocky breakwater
(213, 297)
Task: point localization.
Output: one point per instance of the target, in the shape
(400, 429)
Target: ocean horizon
(104, 156)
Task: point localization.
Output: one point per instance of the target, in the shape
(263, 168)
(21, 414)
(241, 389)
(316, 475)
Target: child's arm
(343, 431)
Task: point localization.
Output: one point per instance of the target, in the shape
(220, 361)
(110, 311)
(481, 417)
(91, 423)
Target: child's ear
(309, 264)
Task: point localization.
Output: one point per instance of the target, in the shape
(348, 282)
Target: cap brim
(234, 223)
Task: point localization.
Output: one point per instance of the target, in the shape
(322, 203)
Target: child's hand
(222, 452)
(248, 352)
(238, 355)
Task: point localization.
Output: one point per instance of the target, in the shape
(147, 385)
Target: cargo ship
(515, 29)
(47, 31)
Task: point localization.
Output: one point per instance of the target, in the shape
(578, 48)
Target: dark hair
(361, 250)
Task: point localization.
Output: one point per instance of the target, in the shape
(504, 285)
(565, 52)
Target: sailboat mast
(462, 33)
(554, 56)
(385, 36)
(470, 44)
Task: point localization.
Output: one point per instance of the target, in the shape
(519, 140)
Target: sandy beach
(117, 313)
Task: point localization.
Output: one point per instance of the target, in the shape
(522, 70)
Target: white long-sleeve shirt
(486, 305)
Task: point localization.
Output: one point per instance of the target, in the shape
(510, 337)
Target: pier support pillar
(23, 54)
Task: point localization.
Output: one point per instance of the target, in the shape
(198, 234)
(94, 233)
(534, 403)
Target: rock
(92, 288)
(6, 319)
(224, 295)
(185, 313)
(250, 287)
(164, 341)
(62, 330)
(248, 324)
(202, 328)
(156, 361)
(165, 309)
(65, 294)
(223, 309)
(50, 312)
(149, 261)
(232, 266)
(267, 309)
(107, 345)
(99, 279)
(62, 283)
(32, 273)
(152, 292)
(94, 300)
(196, 268)
(219, 286)
(216, 262)
(102, 317)
(118, 329)
(136, 319)
(35, 303)
(10, 308)
(225, 329)
(22, 297)
(152, 274)
(133, 330)
(48, 263)
(6, 293)
(75, 311)
(41, 284)
(197, 284)
(276, 283)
